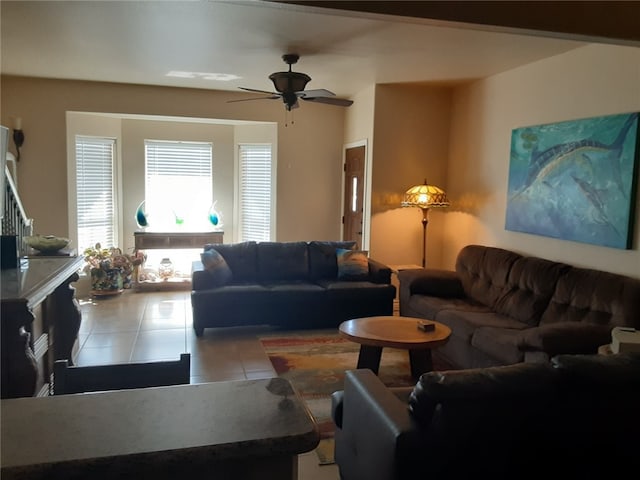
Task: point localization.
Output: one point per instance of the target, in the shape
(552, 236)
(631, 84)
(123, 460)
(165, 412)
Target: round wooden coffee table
(375, 333)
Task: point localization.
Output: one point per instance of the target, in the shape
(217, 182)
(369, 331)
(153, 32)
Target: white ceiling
(141, 42)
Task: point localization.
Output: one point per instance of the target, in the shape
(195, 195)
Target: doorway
(353, 199)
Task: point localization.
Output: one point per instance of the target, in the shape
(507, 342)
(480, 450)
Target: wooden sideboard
(39, 323)
(150, 240)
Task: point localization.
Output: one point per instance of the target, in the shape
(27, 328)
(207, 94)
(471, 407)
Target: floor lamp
(425, 197)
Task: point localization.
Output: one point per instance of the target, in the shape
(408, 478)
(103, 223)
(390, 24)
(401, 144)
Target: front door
(353, 194)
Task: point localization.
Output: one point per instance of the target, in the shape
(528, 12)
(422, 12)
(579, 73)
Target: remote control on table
(426, 326)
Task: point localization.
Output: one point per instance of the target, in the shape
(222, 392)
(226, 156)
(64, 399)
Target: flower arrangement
(110, 268)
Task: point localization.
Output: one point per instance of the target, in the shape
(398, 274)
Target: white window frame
(113, 216)
(195, 212)
(268, 228)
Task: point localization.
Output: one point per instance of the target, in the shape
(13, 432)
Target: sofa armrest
(200, 278)
(565, 337)
(379, 272)
(431, 281)
(379, 439)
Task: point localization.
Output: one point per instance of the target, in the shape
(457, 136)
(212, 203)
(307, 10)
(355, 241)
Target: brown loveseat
(572, 418)
(505, 308)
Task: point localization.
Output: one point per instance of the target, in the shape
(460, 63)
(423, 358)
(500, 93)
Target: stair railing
(15, 220)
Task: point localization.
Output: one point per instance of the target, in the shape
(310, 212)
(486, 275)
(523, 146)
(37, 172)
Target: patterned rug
(315, 361)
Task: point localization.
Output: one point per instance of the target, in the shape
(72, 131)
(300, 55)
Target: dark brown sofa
(505, 308)
(293, 285)
(572, 418)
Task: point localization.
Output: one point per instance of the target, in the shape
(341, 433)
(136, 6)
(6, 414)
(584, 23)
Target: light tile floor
(158, 326)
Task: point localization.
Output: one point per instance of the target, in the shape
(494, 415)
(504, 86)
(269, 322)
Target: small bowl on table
(46, 244)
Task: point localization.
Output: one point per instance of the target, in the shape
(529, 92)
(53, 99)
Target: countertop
(126, 431)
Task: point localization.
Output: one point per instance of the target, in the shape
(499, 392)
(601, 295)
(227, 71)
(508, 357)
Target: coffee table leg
(370, 358)
(420, 362)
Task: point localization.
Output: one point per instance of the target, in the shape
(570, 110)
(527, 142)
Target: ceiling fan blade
(321, 92)
(272, 97)
(258, 91)
(340, 102)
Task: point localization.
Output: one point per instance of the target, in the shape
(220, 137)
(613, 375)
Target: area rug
(315, 361)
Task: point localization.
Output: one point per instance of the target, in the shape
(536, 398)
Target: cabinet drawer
(152, 242)
(182, 242)
(158, 240)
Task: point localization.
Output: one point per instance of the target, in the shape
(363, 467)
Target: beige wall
(411, 143)
(358, 132)
(590, 81)
(309, 150)
(135, 132)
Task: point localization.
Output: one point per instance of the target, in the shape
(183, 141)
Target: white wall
(591, 81)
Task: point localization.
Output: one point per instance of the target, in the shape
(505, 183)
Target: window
(96, 194)
(178, 184)
(255, 192)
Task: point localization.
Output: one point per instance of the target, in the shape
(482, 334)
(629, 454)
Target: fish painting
(542, 163)
(575, 180)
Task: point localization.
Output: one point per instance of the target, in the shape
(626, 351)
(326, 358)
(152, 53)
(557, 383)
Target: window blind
(179, 183)
(95, 184)
(255, 192)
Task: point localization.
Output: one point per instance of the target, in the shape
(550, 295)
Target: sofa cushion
(482, 387)
(427, 307)
(323, 263)
(566, 337)
(503, 344)
(593, 296)
(435, 282)
(354, 289)
(600, 371)
(463, 323)
(241, 257)
(530, 285)
(294, 288)
(215, 264)
(484, 272)
(352, 264)
(282, 261)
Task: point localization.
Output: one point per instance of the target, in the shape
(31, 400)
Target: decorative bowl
(46, 243)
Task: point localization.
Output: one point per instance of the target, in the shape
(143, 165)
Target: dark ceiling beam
(596, 21)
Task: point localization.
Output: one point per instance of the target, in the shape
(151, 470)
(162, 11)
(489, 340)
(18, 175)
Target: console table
(171, 240)
(248, 429)
(40, 320)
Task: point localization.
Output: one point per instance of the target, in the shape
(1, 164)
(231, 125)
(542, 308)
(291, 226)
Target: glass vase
(141, 216)
(215, 217)
(165, 269)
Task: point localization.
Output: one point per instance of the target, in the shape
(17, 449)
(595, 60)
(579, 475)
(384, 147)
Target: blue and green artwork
(575, 180)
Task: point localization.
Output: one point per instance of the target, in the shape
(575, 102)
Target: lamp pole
(425, 220)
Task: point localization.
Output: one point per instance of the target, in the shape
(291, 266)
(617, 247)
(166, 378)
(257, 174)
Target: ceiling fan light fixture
(289, 81)
(291, 85)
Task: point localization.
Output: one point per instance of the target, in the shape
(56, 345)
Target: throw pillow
(352, 264)
(216, 265)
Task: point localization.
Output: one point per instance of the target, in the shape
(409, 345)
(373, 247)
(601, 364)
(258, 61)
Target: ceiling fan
(290, 87)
